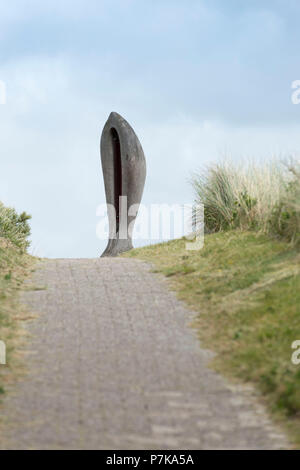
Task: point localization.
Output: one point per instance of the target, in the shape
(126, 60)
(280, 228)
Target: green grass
(15, 265)
(246, 289)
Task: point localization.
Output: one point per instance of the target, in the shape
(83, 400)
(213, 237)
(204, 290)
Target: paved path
(113, 364)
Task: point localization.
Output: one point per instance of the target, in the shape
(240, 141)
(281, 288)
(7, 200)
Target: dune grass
(262, 197)
(15, 265)
(284, 221)
(246, 289)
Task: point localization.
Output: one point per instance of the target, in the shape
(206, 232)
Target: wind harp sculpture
(124, 173)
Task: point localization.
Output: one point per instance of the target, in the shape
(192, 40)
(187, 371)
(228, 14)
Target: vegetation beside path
(15, 265)
(246, 290)
(245, 282)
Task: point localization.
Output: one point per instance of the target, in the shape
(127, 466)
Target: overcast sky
(196, 80)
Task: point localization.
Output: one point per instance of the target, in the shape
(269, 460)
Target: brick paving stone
(114, 364)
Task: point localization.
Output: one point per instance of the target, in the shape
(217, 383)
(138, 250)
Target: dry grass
(285, 219)
(249, 196)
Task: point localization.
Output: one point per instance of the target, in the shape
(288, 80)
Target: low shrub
(14, 227)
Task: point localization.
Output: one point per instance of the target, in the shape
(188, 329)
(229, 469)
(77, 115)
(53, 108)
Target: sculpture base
(115, 247)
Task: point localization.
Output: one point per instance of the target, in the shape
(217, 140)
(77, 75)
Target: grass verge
(246, 289)
(15, 265)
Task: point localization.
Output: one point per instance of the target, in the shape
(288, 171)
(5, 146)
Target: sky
(197, 80)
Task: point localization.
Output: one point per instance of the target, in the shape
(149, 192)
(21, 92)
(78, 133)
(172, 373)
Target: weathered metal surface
(124, 173)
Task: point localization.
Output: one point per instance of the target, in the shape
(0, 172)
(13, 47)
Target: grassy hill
(245, 282)
(246, 289)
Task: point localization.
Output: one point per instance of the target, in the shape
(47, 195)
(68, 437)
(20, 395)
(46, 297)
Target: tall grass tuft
(285, 218)
(14, 227)
(251, 197)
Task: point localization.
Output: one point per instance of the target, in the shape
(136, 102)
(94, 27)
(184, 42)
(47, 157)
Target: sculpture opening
(117, 166)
